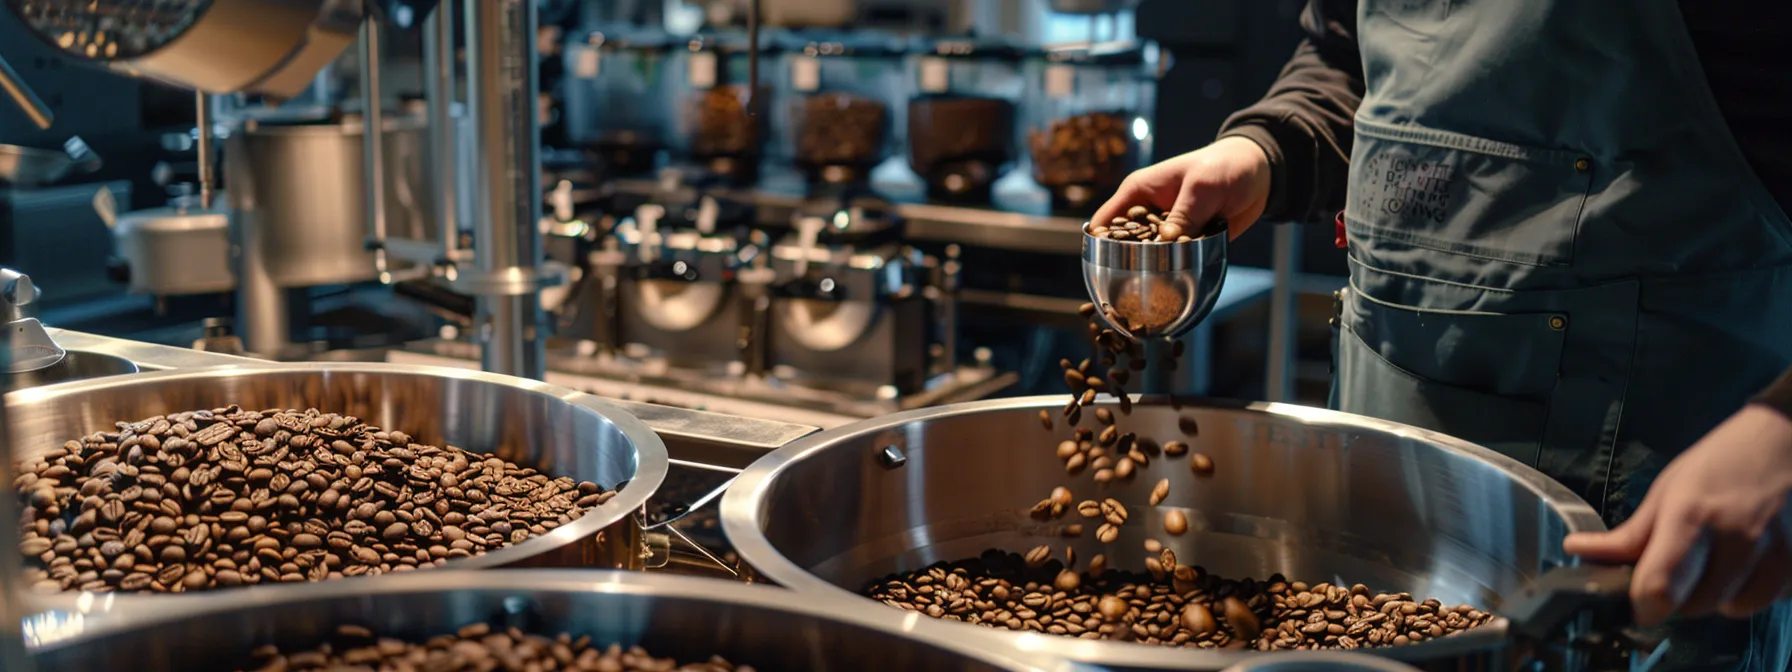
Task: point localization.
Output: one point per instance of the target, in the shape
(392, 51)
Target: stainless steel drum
(556, 430)
(1314, 494)
(299, 185)
(670, 616)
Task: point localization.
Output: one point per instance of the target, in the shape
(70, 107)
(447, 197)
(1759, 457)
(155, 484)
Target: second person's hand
(1229, 178)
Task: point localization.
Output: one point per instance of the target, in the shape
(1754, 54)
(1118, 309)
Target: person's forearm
(1304, 122)
(1778, 396)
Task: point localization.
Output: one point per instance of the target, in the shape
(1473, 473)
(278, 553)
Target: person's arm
(1778, 396)
(1304, 123)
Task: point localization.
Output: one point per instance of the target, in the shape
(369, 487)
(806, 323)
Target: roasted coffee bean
(1201, 463)
(1045, 420)
(1175, 448)
(1160, 491)
(1066, 449)
(1175, 522)
(1188, 426)
(1107, 533)
(1089, 508)
(1114, 511)
(1038, 556)
(1198, 619)
(1153, 546)
(1241, 619)
(1061, 496)
(229, 496)
(1104, 416)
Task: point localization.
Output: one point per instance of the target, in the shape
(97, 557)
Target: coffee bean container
(1088, 128)
(558, 431)
(1312, 494)
(690, 619)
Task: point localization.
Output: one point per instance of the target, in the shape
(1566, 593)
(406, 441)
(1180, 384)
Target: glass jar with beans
(616, 98)
(720, 128)
(1090, 128)
(838, 103)
(961, 117)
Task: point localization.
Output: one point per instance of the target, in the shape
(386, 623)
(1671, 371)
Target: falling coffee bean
(1160, 491)
(1201, 464)
(1038, 556)
(1175, 448)
(1045, 420)
(1175, 522)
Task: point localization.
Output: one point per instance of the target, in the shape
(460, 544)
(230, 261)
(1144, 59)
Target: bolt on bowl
(1155, 289)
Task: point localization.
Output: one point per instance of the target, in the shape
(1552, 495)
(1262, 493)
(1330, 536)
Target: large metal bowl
(556, 430)
(671, 616)
(1314, 494)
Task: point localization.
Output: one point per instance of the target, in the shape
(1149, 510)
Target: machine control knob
(18, 295)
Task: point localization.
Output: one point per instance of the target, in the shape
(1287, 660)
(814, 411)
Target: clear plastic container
(717, 128)
(961, 117)
(616, 98)
(1088, 128)
(839, 95)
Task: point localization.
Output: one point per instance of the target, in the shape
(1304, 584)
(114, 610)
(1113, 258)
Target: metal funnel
(1155, 289)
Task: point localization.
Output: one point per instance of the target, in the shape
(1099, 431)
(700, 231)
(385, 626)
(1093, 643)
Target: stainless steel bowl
(1314, 494)
(1162, 289)
(670, 616)
(554, 429)
(75, 365)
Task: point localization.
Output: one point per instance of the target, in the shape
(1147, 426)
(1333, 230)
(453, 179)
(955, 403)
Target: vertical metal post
(439, 92)
(203, 126)
(502, 87)
(372, 150)
(1284, 308)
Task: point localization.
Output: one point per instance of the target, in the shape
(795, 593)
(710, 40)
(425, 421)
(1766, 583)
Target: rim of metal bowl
(913, 627)
(746, 500)
(651, 460)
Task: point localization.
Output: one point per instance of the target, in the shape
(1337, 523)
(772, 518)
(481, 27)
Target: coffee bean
(1066, 449)
(1188, 426)
(1241, 619)
(480, 647)
(1089, 508)
(1067, 580)
(1061, 496)
(1175, 448)
(1160, 491)
(1104, 416)
(1201, 463)
(1045, 420)
(1107, 533)
(1124, 469)
(1098, 565)
(1113, 608)
(1153, 546)
(1175, 522)
(1198, 619)
(1073, 530)
(1038, 555)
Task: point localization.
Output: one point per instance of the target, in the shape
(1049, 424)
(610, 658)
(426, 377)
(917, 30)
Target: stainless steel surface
(559, 431)
(1309, 661)
(75, 365)
(1284, 314)
(221, 46)
(22, 95)
(1314, 494)
(1161, 289)
(203, 124)
(31, 167)
(373, 157)
(502, 86)
(714, 438)
(262, 313)
(18, 296)
(439, 89)
(176, 250)
(12, 608)
(301, 188)
(690, 619)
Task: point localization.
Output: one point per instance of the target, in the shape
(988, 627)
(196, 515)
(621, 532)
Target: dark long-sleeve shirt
(1304, 122)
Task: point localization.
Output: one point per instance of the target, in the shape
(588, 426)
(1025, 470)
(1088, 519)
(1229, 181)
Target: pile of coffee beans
(958, 144)
(1092, 150)
(839, 129)
(1172, 605)
(229, 497)
(724, 125)
(1141, 225)
(474, 648)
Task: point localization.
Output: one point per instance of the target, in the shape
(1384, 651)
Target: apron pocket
(1371, 385)
(1515, 355)
(1465, 195)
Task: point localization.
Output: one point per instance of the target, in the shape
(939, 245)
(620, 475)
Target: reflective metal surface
(75, 365)
(176, 250)
(1307, 661)
(559, 431)
(1314, 494)
(687, 618)
(1161, 289)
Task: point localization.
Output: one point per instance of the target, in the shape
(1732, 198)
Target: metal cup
(1148, 290)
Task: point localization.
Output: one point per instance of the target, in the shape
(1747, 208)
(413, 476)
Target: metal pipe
(502, 87)
(33, 107)
(1284, 314)
(439, 93)
(203, 124)
(372, 152)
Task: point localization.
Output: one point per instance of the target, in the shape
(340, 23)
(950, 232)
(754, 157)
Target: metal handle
(372, 149)
(22, 94)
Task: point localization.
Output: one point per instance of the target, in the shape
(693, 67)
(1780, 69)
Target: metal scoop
(30, 348)
(1155, 290)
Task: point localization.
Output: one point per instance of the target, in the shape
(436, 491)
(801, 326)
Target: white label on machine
(588, 63)
(1060, 81)
(805, 73)
(936, 75)
(703, 70)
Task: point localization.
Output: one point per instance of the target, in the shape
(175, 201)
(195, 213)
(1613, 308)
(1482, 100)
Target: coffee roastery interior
(530, 331)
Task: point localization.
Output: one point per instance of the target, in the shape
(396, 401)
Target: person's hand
(1229, 178)
(1714, 534)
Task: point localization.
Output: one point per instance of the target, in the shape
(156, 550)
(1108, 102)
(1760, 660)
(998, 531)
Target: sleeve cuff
(1778, 396)
(1277, 176)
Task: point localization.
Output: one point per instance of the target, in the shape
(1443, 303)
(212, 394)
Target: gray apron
(1558, 251)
